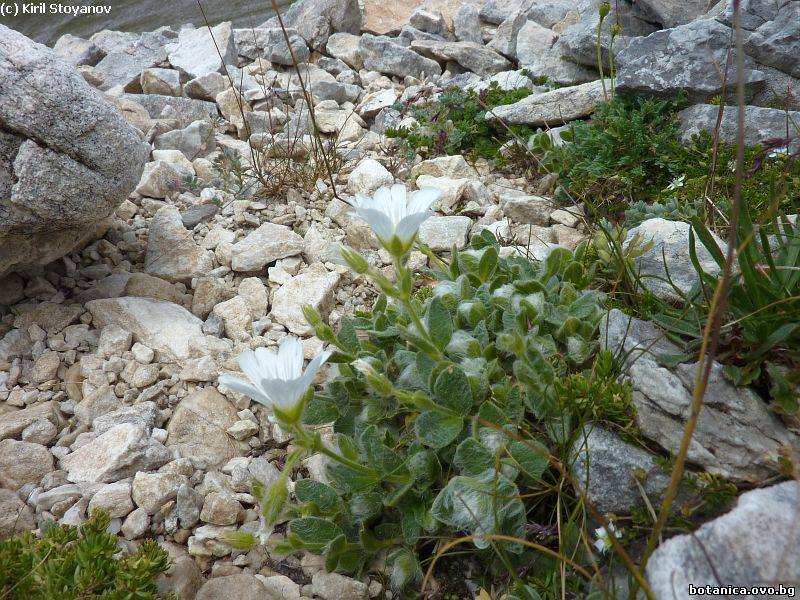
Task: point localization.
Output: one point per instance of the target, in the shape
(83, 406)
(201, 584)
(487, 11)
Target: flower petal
(290, 358)
(360, 201)
(318, 361)
(422, 199)
(380, 223)
(267, 363)
(243, 387)
(251, 366)
(313, 367)
(283, 394)
(399, 207)
(408, 227)
(382, 196)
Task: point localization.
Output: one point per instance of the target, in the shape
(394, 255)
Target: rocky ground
(109, 354)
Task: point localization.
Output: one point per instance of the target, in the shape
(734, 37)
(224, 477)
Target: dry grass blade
(635, 572)
(500, 538)
(309, 101)
(719, 300)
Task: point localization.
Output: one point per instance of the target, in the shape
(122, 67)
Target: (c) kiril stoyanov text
(13, 9)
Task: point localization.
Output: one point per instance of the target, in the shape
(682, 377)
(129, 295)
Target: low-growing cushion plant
(68, 563)
(454, 414)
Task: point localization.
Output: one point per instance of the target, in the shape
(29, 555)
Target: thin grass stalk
(579, 491)
(500, 538)
(713, 325)
(309, 101)
(712, 175)
(237, 94)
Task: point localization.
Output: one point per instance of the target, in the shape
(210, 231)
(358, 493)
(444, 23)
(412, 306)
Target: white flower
(676, 183)
(395, 216)
(276, 378)
(603, 542)
(779, 153)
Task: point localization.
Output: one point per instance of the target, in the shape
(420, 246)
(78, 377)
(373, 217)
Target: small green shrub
(450, 432)
(78, 562)
(627, 159)
(622, 154)
(455, 124)
(772, 181)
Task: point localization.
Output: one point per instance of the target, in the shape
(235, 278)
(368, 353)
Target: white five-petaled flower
(676, 183)
(603, 541)
(276, 378)
(395, 216)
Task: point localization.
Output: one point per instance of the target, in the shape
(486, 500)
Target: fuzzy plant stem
(600, 56)
(404, 273)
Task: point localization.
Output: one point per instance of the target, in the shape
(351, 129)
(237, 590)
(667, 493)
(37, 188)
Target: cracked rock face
(736, 436)
(67, 158)
(732, 548)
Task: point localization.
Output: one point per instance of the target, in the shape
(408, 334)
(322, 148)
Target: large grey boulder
(67, 158)
(772, 32)
(316, 20)
(536, 52)
(755, 544)
(611, 471)
(172, 253)
(467, 24)
(505, 38)
(549, 13)
(579, 41)
(185, 110)
(671, 13)
(689, 58)
(316, 286)
(695, 56)
(202, 51)
(736, 435)
(15, 516)
(473, 57)
(242, 586)
(116, 454)
(497, 11)
(196, 139)
(667, 264)
(78, 51)
(165, 327)
(126, 56)
(552, 108)
(269, 43)
(760, 124)
(382, 54)
(198, 429)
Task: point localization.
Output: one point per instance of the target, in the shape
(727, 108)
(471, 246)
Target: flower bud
(605, 8)
(354, 260)
(273, 502)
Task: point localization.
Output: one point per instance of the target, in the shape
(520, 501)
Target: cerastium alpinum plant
(454, 414)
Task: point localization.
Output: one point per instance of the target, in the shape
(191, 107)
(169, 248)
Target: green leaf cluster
(78, 562)
(625, 152)
(450, 430)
